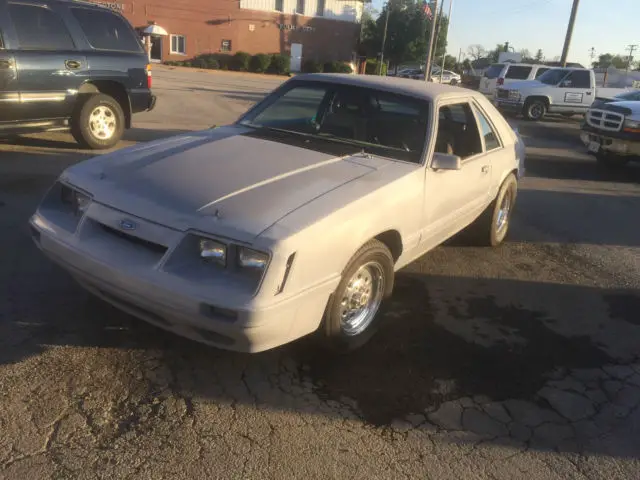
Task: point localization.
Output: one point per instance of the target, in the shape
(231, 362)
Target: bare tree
(476, 51)
(525, 53)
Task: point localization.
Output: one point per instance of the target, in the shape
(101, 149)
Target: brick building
(320, 30)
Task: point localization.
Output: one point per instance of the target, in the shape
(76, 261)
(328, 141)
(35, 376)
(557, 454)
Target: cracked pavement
(519, 362)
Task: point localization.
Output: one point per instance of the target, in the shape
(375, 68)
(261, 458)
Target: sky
(542, 24)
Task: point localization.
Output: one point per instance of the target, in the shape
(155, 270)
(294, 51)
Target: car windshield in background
(629, 96)
(493, 71)
(106, 31)
(374, 121)
(553, 77)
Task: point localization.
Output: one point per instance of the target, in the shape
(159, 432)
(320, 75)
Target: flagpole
(432, 36)
(446, 35)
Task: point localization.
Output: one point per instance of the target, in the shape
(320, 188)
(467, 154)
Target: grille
(605, 120)
(151, 246)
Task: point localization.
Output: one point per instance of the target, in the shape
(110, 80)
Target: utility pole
(384, 40)
(567, 39)
(446, 34)
(432, 36)
(631, 49)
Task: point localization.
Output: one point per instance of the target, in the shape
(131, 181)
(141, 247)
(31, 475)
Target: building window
(320, 9)
(300, 7)
(280, 5)
(178, 45)
(225, 46)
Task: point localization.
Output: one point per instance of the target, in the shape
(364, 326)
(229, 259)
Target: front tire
(351, 317)
(491, 227)
(98, 122)
(454, 82)
(535, 110)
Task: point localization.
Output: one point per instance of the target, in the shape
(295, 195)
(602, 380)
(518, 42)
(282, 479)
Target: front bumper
(507, 105)
(597, 142)
(174, 305)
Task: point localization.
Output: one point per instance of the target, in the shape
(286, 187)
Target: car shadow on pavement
(64, 141)
(589, 170)
(443, 341)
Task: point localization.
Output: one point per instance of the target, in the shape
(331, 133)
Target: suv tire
(352, 315)
(610, 161)
(535, 110)
(97, 122)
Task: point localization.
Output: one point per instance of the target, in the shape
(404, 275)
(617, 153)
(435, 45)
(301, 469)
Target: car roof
(404, 86)
(84, 3)
(533, 65)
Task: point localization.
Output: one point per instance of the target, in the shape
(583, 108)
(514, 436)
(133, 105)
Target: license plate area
(594, 146)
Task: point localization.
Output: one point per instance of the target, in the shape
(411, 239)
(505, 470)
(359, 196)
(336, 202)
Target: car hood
(227, 181)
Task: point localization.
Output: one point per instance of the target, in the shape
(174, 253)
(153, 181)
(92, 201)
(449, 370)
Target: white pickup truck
(611, 131)
(567, 91)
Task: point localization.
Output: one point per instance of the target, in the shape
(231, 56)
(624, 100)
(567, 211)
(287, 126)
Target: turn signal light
(149, 77)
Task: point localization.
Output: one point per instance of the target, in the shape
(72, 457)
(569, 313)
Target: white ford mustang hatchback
(292, 220)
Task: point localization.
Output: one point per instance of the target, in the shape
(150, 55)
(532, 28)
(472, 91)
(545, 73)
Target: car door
(9, 93)
(576, 91)
(454, 197)
(50, 68)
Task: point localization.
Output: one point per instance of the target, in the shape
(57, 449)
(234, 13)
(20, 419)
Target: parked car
(500, 74)
(70, 66)
(611, 131)
(567, 91)
(292, 220)
(448, 78)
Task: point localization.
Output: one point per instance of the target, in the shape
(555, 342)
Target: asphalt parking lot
(519, 362)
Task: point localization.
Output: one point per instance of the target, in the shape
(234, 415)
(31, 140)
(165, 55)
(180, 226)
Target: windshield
(374, 121)
(553, 76)
(493, 71)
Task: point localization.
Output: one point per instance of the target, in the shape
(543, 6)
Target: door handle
(588, 93)
(485, 169)
(6, 64)
(72, 64)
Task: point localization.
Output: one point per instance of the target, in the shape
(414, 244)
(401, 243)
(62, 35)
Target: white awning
(155, 30)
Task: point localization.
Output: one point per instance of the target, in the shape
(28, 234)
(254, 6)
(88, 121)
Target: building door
(296, 57)
(156, 48)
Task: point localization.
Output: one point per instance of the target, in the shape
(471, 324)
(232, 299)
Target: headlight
(514, 94)
(77, 201)
(248, 258)
(212, 251)
(632, 124)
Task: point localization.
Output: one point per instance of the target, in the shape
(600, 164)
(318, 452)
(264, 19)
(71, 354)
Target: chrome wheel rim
(361, 298)
(536, 111)
(503, 213)
(102, 122)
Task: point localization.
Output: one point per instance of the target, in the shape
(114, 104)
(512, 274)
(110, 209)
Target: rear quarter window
(106, 31)
(517, 72)
(493, 71)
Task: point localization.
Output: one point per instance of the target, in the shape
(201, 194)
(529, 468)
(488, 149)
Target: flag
(427, 10)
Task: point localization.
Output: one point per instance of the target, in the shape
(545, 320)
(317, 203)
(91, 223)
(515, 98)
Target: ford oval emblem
(127, 225)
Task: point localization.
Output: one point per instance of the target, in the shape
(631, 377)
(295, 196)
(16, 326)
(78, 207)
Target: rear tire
(351, 316)
(454, 82)
(491, 227)
(535, 110)
(98, 122)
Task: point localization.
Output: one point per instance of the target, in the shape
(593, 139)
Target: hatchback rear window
(106, 31)
(493, 71)
(518, 72)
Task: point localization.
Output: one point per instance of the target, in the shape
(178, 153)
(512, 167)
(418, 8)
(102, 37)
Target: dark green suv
(70, 65)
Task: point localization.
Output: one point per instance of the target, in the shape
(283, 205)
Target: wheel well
(545, 100)
(113, 89)
(393, 241)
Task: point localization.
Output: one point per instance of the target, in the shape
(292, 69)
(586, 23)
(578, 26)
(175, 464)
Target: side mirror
(444, 161)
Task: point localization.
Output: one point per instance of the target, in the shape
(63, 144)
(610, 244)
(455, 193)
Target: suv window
(491, 141)
(518, 72)
(39, 28)
(458, 131)
(493, 71)
(106, 31)
(541, 71)
(578, 79)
